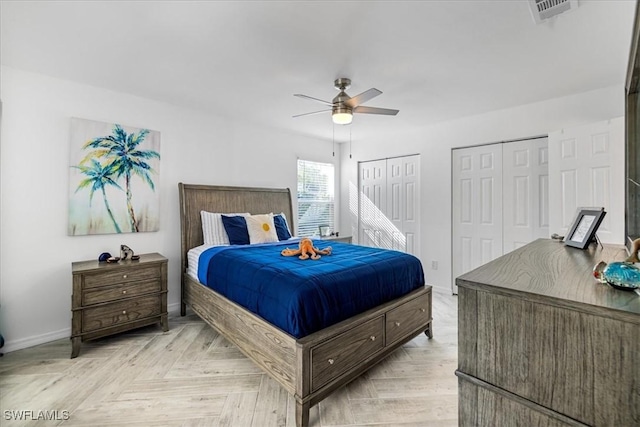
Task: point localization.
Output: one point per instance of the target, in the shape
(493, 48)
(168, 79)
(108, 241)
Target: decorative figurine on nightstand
(106, 257)
(127, 252)
(623, 275)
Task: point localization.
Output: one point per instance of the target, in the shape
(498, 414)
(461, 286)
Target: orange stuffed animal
(306, 250)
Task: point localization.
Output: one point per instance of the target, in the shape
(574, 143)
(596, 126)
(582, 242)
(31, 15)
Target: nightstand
(109, 298)
(343, 239)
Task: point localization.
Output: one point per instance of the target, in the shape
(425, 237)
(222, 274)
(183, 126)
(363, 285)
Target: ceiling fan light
(342, 116)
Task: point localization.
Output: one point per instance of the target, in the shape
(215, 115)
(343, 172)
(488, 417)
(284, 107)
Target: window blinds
(316, 185)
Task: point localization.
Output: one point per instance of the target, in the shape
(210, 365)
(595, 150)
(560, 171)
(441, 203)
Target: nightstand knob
(124, 292)
(124, 276)
(124, 311)
(372, 337)
(397, 323)
(423, 310)
(331, 361)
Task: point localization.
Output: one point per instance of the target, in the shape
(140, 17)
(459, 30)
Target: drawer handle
(397, 323)
(331, 361)
(423, 310)
(372, 337)
(124, 276)
(124, 311)
(124, 292)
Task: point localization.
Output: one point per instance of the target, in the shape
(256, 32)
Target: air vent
(544, 10)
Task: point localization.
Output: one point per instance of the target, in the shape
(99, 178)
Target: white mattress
(193, 256)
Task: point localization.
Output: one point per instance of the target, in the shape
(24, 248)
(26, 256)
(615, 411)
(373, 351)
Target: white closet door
(525, 192)
(373, 202)
(390, 204)
(476, 207)
(587, 165)
(403, 195)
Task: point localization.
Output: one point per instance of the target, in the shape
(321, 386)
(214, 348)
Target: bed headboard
(213, 198)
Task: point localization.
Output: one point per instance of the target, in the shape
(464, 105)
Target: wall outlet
(434, 265)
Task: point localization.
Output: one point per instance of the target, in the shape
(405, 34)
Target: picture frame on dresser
(584, 227)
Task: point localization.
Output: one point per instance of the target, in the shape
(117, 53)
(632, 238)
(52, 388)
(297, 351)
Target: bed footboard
(270, 348)
(313, 367)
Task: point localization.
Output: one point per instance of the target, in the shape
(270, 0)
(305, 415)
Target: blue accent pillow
(236, 228)
(281, 227)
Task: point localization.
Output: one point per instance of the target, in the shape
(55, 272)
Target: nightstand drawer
(330, 359)
(407, 317)
(120, 312)
(120, 276)
(117, 292)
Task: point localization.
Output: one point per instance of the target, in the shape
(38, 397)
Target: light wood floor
(190, 376)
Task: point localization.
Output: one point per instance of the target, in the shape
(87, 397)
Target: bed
(312, 367)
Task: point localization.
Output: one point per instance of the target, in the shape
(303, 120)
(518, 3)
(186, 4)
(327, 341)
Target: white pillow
(213, 229)
(261, 229)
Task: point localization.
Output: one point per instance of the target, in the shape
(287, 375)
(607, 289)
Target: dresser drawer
(92, 280)
(333, 358)
(406, 318)
(117, 292)
(120, 312)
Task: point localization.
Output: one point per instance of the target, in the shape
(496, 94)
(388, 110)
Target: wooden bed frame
(312, 367)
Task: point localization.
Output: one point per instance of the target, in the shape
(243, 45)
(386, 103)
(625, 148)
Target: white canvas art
(113, 176)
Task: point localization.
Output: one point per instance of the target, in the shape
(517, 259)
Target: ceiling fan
(343, 106)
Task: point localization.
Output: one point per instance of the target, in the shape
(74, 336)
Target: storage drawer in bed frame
(407, 317)
(338, 355)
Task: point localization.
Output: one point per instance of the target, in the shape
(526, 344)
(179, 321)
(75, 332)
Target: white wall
(435, 142)
(35, 251)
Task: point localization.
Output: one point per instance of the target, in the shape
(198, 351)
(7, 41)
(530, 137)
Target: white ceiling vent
(544, 10)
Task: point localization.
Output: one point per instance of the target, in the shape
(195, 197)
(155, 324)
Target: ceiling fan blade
(354, 101)
(314, 99)
(375, 110)
(308, 114)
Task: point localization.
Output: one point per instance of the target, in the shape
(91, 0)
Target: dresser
(109, 298)
(541, 343)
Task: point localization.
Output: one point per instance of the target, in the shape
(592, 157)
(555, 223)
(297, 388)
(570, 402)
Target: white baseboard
(444, 290)
(21, 343)
(47, 337)
(173, 308)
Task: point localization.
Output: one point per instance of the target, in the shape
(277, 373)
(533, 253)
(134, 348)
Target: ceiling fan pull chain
(350, 141)
(334, 140)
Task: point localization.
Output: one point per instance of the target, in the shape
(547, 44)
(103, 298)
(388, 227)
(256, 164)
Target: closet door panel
(525, 196)
(396, 239)
(476, 207)
(410, 200)
(373, 201)
(586, 162)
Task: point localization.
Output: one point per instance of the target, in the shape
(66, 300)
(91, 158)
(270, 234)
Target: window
(316, 185)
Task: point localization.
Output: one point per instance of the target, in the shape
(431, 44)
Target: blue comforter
(303, 296)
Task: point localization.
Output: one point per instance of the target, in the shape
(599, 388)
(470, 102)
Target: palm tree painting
(121, 164)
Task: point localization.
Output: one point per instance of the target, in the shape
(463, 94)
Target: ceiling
(433, 60)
